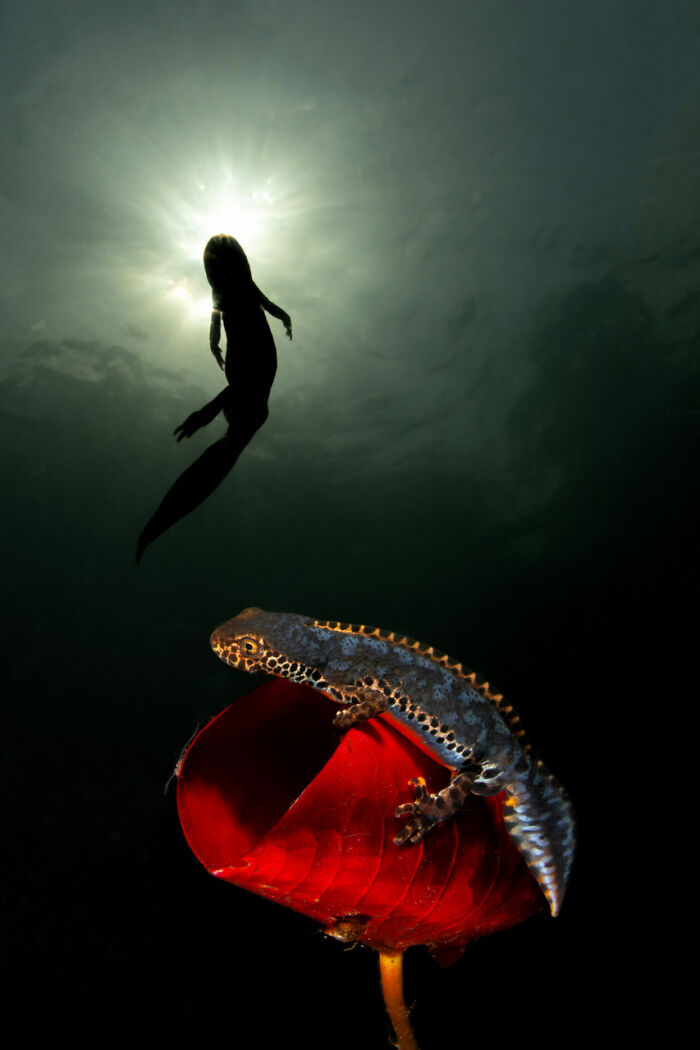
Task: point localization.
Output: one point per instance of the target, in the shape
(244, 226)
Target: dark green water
(493, 449)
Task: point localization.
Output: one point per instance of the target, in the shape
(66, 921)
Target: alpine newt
(447, 709)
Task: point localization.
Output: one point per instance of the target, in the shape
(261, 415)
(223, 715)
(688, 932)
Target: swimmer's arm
(275, 311)
(215, 337)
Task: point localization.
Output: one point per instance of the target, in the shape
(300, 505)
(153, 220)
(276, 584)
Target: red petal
(269, 800)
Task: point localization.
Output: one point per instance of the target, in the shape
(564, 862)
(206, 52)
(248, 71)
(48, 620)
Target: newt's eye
(248, 646)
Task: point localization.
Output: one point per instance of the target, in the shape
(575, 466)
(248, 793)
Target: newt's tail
(539, 817)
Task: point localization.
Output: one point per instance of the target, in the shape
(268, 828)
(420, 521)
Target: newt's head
(267, 642)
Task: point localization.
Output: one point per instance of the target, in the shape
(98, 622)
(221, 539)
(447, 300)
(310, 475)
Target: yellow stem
(391, 970)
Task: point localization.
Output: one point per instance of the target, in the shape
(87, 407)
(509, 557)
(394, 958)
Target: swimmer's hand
(189, 427)
(216, 351)
(287, 322)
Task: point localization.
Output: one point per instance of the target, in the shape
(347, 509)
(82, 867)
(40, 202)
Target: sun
(245, 215)
(246, 212)
(260, 203)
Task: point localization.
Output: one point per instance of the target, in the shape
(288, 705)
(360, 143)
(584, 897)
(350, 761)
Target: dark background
(484, 222)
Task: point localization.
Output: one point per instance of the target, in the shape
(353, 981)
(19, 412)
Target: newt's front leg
(365, 703)
(428, 809)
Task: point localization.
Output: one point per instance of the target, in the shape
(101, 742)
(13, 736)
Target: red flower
(271, 800)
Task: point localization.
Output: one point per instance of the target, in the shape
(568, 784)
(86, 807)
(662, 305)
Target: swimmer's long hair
(225, 263)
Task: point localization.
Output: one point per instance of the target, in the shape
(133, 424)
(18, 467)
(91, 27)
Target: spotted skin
(447, 709)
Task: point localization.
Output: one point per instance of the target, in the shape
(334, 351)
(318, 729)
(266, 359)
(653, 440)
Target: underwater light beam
(249, 216)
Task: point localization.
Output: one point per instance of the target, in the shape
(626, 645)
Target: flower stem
(391, 971)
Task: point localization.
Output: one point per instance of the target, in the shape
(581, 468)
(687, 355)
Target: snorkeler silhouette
(250, 366)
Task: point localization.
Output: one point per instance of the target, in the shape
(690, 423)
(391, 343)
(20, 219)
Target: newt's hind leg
(428, 809)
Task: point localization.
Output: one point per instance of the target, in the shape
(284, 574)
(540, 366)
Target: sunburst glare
(195, 306)
(184, 218)
(241, 212)
(262, 194)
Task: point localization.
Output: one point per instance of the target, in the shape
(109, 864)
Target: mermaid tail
(206, 473)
